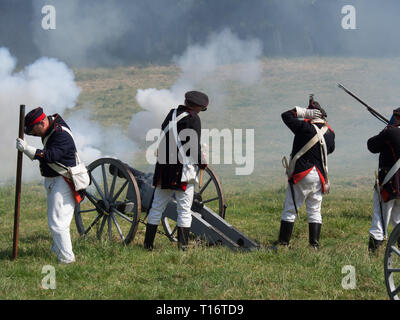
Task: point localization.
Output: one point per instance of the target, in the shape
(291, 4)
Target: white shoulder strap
(324, 148)
(303, 150)
(57, 166)
(52, 131)
(178, 141)
(391, 172)
(177, 118)
(171, 124)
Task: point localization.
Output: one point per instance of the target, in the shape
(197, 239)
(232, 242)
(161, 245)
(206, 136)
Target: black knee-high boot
(151, 230)
(374, 244)
(183, 238)
(314, 231)
(285, 233)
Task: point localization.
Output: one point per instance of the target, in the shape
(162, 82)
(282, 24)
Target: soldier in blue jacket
(167, 178)
(59, 147)
(386, 206)
(308, 176)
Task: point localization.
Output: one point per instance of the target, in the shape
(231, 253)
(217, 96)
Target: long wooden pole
(18, 184)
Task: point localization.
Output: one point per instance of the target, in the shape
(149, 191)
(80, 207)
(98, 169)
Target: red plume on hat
(32, 118)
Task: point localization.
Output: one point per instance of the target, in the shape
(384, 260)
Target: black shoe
(151, 230)
(374, 244)
(285, 233)
(314, 231)
(183, 238)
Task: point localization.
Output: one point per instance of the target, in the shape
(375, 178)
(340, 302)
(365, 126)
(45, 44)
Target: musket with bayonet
(375, 113)
(380, 117)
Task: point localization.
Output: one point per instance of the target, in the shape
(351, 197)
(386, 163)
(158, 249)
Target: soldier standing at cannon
(307, 169)
(59, 147)
(386, 205)
(176, 167)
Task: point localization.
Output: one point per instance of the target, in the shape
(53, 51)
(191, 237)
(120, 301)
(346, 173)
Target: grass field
(108, 270)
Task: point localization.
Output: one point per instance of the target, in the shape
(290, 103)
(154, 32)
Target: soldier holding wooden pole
(59, 152)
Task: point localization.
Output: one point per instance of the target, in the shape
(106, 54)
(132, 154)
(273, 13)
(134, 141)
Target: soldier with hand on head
(176, 169)
(386, 203)
(307, 169)
(58, 147)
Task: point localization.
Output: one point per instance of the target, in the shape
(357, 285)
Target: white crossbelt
(391, 172)
(304, 149)
(57, 166)
(170, 126)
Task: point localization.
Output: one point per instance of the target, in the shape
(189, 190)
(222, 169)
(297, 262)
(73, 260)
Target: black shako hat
(395, 119)
(197, 98)
(316, 105)
(396, 112)
(32, 118)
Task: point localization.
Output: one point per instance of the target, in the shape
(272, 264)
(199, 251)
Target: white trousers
(184, 201)
(391, 213)
(308, 190)
(60, 210)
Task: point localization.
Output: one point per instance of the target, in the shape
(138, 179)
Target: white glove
(25, 148)
(308, 113)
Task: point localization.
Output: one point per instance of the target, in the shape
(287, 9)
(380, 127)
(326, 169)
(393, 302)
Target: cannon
(119, 196)
(392, 264)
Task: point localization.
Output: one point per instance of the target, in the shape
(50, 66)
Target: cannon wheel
(210, 193)
(392, 264)
(107, 202)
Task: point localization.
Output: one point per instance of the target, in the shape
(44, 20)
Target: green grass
(108, 270)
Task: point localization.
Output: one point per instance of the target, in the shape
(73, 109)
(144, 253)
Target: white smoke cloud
(49, 83)
(93, 141)
(83, 30)
(198, 64)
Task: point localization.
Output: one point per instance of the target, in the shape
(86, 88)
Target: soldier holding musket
(386, 205)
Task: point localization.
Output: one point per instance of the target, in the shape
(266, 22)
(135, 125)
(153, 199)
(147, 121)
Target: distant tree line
(161, 29)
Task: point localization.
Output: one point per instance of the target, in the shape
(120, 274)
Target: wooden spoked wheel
(112, 207)
(392, 264)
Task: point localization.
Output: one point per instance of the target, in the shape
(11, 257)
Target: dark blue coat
(304, 131)
(387, 144)
(60, 147)
(169, 174)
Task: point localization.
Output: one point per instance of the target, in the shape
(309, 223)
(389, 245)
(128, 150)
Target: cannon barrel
(144, 183)
(119, 194)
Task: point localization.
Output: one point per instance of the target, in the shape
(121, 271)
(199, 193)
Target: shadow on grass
(34, 245)
(23, 252)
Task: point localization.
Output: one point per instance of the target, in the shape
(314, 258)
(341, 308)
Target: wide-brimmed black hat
(32, 118)
(197, 98)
